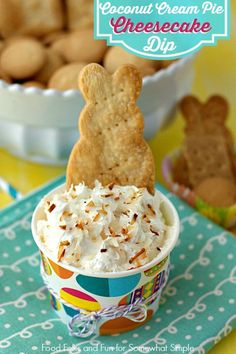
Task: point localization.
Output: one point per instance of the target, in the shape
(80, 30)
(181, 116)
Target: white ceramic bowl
(41, 125)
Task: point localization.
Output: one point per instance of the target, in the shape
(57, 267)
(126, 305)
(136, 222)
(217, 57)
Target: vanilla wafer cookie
(23, 58)
(31, 17)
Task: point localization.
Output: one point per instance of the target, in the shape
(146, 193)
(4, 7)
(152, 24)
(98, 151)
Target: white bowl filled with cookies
(42, 50)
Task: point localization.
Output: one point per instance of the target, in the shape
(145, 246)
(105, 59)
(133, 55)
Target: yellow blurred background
(215, 72)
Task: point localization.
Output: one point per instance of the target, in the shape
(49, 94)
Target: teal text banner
(162, 29)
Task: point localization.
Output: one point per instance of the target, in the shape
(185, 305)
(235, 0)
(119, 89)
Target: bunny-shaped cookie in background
(215, 112)
(208, 146)
(207, 118)
(111, 147)
(191, 109)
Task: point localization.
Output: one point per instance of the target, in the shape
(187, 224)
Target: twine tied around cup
(83, 325)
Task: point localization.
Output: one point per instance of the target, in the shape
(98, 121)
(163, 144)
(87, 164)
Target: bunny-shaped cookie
(215, 113)
(111, 146)
(208, 146)
(207, 118)
(192, 109)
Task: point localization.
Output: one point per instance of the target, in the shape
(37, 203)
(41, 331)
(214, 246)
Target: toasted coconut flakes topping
(135, 216)
(51, 208)
(89, 205)
(66, 214)
(124, 231)
(96, 219)
(108, 195)
(102, 211)
(135, 196)
(65, 243)
(79, 225)
(103, 235)
(154, 232)
(62, 248)
(63, 227)
(137, 255)
(111, 185)
(151, 209)
(134, 219)
(146, 219)
(111, 231)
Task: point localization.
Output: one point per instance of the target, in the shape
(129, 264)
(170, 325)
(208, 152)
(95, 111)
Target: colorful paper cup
(75, 291)
(225, 217)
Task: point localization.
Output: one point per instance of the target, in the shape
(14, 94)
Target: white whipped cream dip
(106, 229)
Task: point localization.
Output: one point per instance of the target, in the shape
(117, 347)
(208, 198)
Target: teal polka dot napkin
(198, 306)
